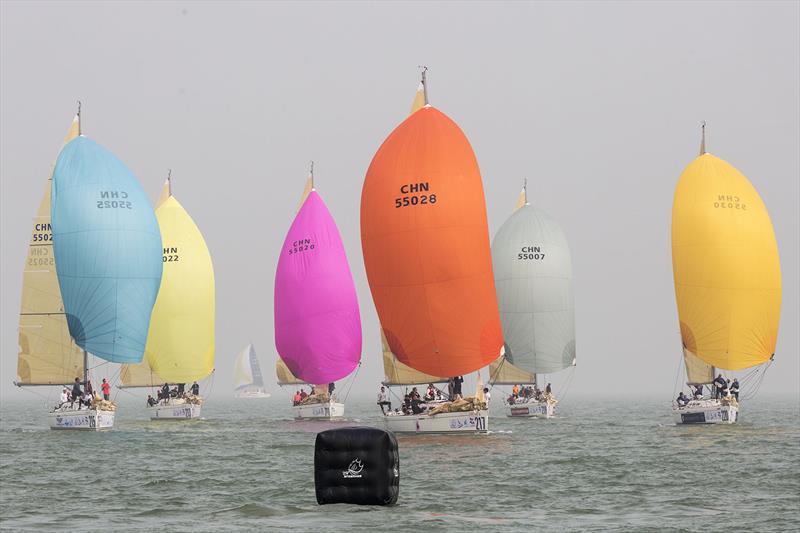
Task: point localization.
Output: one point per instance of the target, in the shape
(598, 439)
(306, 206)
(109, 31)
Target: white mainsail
(246, 370)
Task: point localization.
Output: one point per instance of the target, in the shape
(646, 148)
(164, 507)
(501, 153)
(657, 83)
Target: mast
(424, 82)
(169, 181)
(85, 367)
(80, 132)
(525, 190)
(703, 137)
(311, 175)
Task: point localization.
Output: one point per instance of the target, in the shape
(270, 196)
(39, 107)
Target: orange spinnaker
(426, 248)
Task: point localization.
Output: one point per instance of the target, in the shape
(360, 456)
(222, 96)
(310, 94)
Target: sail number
(114, 200)
(531, 252)
(728, 201)
(301, 246)
(42, 232)
(171, 254)
(410, 189)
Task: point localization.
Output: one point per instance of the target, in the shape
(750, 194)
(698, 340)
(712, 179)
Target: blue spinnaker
(107, 249)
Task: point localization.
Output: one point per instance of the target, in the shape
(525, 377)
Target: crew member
(106, 388)
(383, 400)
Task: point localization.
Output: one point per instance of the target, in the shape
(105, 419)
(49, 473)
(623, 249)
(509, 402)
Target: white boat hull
(532, 409)
(469, 422)
(706, 412)
(83, 419)
(181, 411)
(322, 411)
(253, 393)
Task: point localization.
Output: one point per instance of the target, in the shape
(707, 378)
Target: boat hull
(531, 410)
(320, 411)
(706, 412)
(183, 411)
(253, 394)
(465, 422)
(83, 419)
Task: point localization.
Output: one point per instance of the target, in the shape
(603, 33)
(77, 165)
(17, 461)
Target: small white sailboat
(180, 341)
(727, 285)
(248, 382)
(426, 250)
(533, 277)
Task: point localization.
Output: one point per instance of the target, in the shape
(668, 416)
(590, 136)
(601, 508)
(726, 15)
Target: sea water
(604, 464)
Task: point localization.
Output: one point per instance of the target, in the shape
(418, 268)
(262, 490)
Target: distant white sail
(246, 370)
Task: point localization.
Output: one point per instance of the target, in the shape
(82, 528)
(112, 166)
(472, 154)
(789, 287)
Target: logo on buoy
(354, 470)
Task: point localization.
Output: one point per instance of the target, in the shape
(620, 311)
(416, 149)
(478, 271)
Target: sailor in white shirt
(383, 400)
(64, 396)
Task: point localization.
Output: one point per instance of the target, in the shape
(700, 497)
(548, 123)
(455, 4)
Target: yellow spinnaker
(726, 266)
(180, 342)
(47, 353)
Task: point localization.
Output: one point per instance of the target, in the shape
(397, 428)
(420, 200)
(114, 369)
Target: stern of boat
(706, 412)
(320, 411)
(531, 410)
(465, 422)
(184, 411)
(82, 419)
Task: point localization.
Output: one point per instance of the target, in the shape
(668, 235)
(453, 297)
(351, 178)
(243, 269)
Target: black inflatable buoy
(358, 465)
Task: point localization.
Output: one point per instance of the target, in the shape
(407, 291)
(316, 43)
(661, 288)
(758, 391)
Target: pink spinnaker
(317, 322)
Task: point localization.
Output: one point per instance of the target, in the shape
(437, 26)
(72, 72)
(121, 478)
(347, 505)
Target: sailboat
(91, 278)
(727, 283)
(533, 277)
(247, 379)
(180, 342)
(317, 319)
(425, 240)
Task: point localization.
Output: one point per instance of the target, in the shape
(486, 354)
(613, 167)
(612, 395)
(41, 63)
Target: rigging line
(211, 387)
(677, 375)
(568, 383)
(352, 381)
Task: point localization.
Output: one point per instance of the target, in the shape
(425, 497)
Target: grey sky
(597, 104)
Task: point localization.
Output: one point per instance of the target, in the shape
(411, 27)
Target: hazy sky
(597, 104)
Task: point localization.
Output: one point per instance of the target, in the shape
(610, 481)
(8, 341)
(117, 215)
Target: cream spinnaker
(47, 353)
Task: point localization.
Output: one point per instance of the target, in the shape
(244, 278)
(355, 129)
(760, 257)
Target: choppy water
(601, 466)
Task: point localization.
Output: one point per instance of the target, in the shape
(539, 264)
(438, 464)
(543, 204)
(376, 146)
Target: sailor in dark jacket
(735, 389)
(719, 386)
(76, 392)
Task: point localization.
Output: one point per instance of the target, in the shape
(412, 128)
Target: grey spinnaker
(533, 279)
